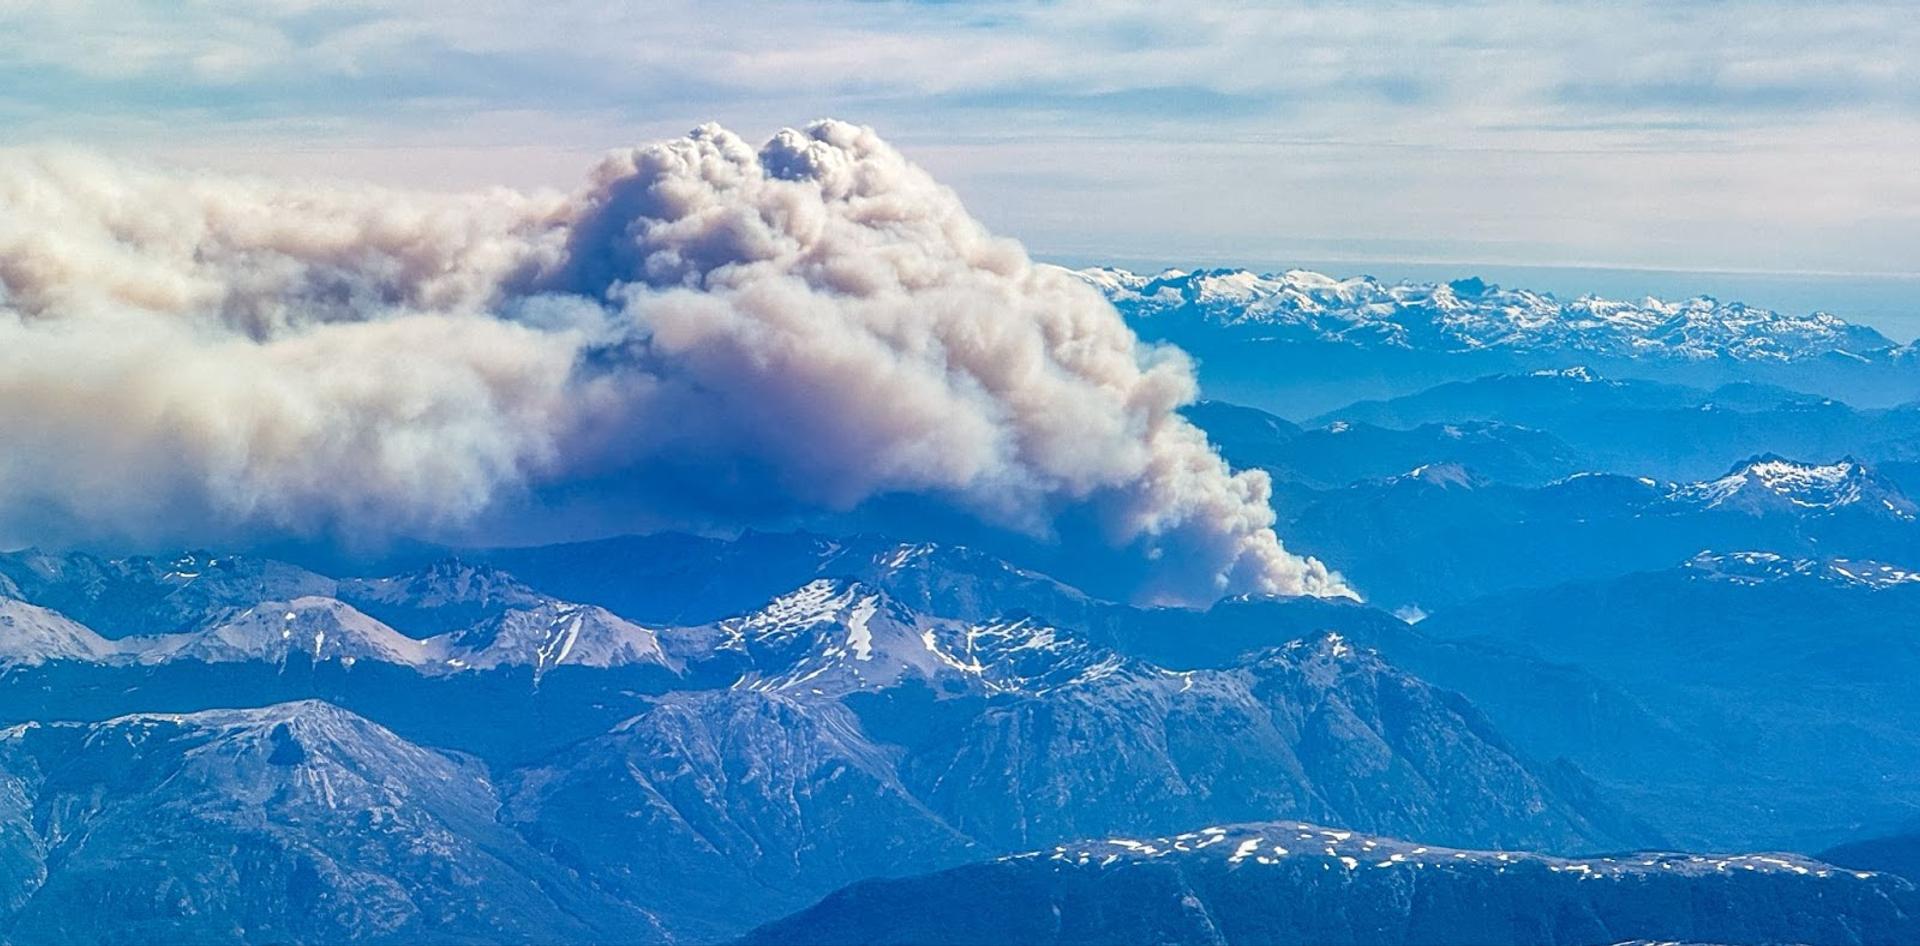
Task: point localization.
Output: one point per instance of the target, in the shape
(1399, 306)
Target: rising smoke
(708, 329)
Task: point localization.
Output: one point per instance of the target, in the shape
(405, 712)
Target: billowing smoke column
(705, 332)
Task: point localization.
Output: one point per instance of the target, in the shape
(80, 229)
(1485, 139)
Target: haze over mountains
(649, 722)
(1561, 582)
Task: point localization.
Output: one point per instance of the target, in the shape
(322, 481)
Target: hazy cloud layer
(1748, 134)
(704, 332)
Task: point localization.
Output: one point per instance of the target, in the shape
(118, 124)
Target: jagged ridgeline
(487, 760)
(1301, 342)
(901, 708)
(1605, 613)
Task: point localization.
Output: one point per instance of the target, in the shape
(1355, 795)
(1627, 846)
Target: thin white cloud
(1515, 131)
(1503, 56)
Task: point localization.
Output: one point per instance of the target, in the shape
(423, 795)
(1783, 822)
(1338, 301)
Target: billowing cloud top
(706, 330)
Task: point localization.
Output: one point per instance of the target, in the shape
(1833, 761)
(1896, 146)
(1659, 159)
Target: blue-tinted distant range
(453, 489)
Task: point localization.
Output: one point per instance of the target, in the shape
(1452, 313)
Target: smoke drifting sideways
(704, 335)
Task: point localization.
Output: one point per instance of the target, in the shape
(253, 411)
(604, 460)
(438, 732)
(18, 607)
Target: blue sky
(1730, 137)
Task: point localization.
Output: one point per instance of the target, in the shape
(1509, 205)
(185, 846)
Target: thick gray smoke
(706, 330)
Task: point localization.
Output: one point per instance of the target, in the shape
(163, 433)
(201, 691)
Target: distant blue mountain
(1442, 533)
(1789, 675)
(1656, 430)
(1892, 854)
(1342, 452)
(1552, 398)
(1650, 428)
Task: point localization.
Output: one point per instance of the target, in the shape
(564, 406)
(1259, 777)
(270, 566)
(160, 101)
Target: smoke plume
(705, 332)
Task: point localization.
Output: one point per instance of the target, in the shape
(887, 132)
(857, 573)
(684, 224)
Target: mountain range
(833, 733)
(1770, 668)
(296, 822)
(1636, 577)
(1294, 883)
(1299, 343)
(1471, 315)
(926, 707)
(1650, 428)
(1442, 533)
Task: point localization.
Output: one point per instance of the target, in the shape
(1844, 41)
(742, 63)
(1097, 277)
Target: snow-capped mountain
(907, 707)
(540, 636)
(956, 581)
(833, 637)
(547, 634)
(319, 629)
(1292, 882)
(1768, 483)
(1104, 720)
(795, 781)
(1439, 476)
(1470, 315)
(298, 822)
(1085, 714)
(1757, 568)
(730, 807)
(1442, 533)
(121, 597)
(31, 635)
(679, 580)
